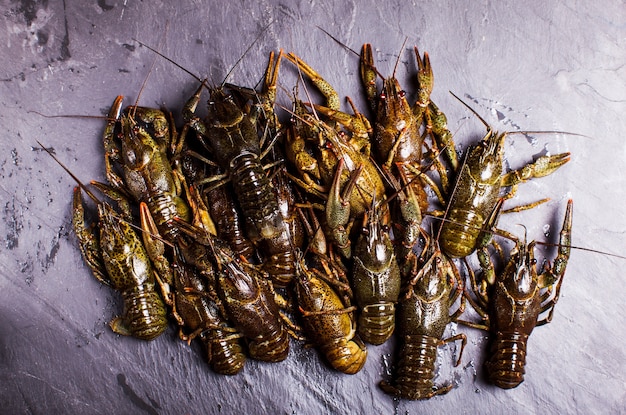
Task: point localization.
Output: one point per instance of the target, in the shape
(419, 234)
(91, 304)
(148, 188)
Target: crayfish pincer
(517, 298)
(423, 313)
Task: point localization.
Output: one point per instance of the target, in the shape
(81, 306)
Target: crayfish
(148, 137)
(423, 313)
(230, 133)
(475, 203)
(399, 138)
(195, 309)
(118, 258)
(332, 164)
(327, 319)
(512, 302)
(376, 280)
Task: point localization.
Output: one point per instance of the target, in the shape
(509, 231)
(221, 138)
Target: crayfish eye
(402, 94)
(385, 228)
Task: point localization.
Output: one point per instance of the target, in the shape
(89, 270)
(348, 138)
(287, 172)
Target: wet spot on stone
(105, 7)
(29, 8)
(13, 221)
(134, 398)
(14, 157)
(42, 37)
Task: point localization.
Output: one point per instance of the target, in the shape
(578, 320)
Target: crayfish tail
(145, 314)
(346, 356)
(224, 352)
(377, 322)
(274, 348)
(505, 368)
(416, 370)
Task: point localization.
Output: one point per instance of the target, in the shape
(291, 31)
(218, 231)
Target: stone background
(530, 65)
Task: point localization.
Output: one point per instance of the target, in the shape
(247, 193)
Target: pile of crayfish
(329, 227)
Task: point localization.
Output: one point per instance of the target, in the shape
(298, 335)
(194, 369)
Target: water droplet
(546, 230)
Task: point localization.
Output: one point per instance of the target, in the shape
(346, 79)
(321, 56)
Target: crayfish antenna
(256, 39)
(526, 132)
(145, 80)
(76, 179)
(398, 58)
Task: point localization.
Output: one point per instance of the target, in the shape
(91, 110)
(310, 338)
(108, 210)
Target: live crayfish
(346, 177)
(231, 135)
(327, 319)
(229, 222)
(423, 313)
(376, 280)
(126, 267)
(398, 139)
(279, 253)
(195, 310)
(147, 137)
(475, 202)
(251, 307)
(117, 258)
(512, 301)
(243, 293)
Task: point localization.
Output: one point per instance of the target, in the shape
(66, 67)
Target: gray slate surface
(530, 65)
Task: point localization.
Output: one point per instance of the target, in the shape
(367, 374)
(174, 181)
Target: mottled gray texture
(530, 65)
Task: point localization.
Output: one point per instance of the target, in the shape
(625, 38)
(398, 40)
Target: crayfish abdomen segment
(505, 368)
(224, 352)
(255, 195)
(166, 208)
(280, 263)
(272, 346)
(416, 369)
(377, 322)
(460, 233)
(145, 315)
(346, 356)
